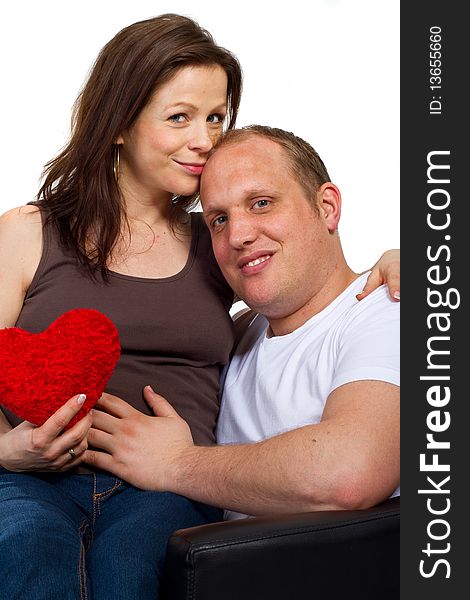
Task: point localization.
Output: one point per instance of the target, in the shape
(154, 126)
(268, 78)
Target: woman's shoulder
(21, 220)
(21, 234)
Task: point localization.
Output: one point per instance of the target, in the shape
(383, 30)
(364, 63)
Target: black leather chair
(329, 554)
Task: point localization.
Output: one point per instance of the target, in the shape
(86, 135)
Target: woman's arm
(20, 252)
(386, 270)
(19, 245)
(27, 447)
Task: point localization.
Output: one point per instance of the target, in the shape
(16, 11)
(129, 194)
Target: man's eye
(219, 221)
(262, 203)
(177, 118)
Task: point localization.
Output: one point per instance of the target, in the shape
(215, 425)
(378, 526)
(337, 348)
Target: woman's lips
(192, 168)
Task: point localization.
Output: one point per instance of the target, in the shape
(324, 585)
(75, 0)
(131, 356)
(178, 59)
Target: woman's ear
(119, 139)
(329, 204)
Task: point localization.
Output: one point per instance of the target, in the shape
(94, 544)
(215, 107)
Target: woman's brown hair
(80, 191)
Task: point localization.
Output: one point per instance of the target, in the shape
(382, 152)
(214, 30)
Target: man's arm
(349, 460)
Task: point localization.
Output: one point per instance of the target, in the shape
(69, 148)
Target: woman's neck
(152, 209)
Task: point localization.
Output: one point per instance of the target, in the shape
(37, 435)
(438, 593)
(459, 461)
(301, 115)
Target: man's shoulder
(370, 329)
(347, 318)
(377, 303)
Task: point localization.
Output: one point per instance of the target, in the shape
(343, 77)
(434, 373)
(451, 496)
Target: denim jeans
(88, 536)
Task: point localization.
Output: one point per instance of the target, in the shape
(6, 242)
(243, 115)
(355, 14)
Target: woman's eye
(177, 118)
(216, 118)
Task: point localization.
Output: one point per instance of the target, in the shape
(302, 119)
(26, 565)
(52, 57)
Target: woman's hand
(386, 270)
(45, 448)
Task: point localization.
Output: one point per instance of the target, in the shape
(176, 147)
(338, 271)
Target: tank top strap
(50, 247)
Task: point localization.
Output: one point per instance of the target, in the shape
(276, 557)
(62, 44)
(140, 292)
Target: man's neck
(314, 305)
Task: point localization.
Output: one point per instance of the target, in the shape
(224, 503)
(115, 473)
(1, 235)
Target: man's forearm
(348, 460)
(276, 475)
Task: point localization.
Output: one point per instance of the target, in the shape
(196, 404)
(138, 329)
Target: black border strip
(434, 241)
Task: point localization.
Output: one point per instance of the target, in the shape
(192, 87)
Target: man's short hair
(304, 163)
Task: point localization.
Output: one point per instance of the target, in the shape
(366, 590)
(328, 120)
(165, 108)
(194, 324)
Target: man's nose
(242, 231)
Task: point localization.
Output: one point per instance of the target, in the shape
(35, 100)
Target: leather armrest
(345, 554)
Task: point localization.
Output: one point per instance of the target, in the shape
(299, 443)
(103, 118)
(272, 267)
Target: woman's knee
(36, 531)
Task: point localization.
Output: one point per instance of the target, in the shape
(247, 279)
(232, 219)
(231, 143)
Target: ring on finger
(72, 453)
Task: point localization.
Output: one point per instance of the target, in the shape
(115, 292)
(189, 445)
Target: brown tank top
(175, 332)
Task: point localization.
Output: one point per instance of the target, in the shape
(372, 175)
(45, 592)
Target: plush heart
(76, 354)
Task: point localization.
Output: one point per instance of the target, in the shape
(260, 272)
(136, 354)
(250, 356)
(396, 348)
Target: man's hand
(141, 449)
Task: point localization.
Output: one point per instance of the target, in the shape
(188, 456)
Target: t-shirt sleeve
(369, 342)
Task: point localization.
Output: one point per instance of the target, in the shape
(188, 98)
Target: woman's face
(164, 151)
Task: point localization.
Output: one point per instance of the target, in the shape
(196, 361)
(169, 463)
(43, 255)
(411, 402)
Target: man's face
(268, 238)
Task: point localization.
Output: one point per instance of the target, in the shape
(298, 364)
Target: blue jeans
(89, 536)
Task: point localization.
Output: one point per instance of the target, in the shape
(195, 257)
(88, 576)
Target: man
(310, 409)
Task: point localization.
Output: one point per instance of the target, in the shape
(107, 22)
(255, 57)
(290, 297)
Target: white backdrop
(328, 70)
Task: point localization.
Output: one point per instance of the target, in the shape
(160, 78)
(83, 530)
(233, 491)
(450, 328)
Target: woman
(111, 230)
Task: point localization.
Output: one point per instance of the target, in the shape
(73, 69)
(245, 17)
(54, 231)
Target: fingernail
(149, 387)
(396, 295)
(81, 399)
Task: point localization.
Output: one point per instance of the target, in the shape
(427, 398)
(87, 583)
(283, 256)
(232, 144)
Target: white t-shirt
(275, 384)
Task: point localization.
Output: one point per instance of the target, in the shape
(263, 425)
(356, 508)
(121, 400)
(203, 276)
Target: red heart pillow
(39, 372)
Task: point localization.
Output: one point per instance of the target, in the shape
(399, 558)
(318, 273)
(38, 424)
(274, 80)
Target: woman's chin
(187, 190)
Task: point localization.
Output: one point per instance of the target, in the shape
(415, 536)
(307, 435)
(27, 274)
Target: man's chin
(261, 303)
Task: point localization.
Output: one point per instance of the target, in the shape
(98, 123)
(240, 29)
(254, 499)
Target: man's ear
(329, 204)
